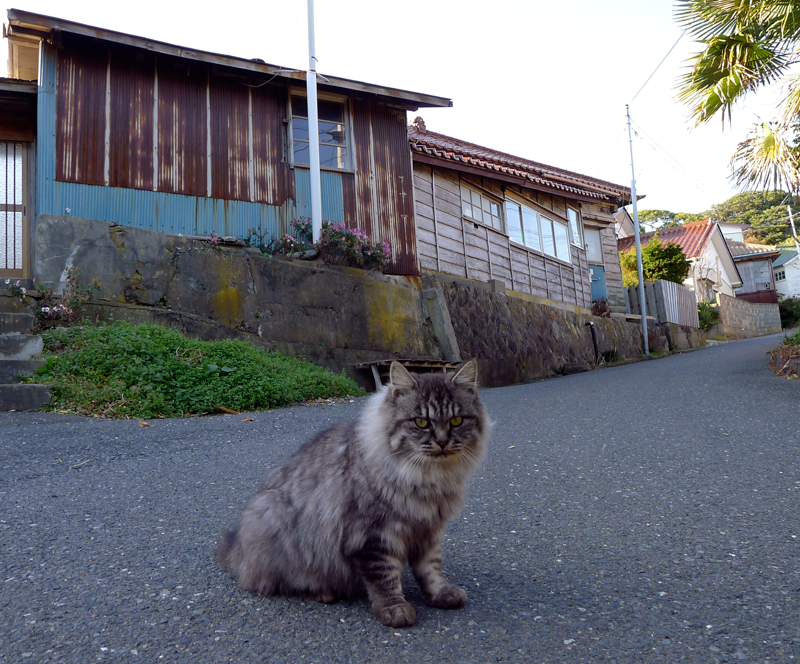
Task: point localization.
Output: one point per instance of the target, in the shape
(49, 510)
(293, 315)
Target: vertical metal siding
(81, 112)
(362, 152)
(273, 180)
(182, 139)
(131, 119)
(230, 139)
(393, 183)
(332, 198)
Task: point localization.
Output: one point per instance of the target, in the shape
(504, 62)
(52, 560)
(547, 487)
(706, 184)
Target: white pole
(642, 301)
(313, 129)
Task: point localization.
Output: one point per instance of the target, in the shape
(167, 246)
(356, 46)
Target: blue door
(598, 276)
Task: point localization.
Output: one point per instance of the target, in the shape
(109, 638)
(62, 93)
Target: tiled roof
(455, 150)
(691, 238)
(742, 249)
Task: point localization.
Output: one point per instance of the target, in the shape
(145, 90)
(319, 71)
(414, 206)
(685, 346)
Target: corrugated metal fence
(667, 301)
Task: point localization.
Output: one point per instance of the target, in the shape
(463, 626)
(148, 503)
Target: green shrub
(708, 313)
(790, 311)
(148, 371)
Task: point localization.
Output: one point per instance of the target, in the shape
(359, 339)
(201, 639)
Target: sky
(540, 80)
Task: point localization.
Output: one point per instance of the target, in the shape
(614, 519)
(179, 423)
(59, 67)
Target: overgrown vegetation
(708, 314)
(147, 371)
(600, 308)
(785, 359)
(64, 308)
(790, 311)
(659, 261)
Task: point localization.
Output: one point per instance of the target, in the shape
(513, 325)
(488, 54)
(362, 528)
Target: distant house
(490, 216)
(754, 262)
(713, 269)
(786, 271)
(119, 128)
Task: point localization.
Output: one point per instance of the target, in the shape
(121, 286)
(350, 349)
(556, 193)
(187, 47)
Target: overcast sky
(547, 81)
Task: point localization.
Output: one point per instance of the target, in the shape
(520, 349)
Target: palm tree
(747, 45)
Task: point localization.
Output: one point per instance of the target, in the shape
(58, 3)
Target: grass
(147, 371)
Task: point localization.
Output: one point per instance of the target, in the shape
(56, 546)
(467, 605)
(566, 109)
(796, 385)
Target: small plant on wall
(338, 244)
(707, 314)
(60, 309)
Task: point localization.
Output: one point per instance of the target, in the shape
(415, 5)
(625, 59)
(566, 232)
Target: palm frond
(725, 71)
(766, 159)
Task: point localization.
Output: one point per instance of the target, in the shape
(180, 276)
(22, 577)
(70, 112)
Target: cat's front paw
(449, 597)
(399, 615)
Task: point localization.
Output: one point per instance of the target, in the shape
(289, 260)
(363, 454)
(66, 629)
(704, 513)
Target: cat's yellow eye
(421, 422)
(456, 421)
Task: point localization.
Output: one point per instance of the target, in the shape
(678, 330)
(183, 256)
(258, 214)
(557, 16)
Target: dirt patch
(785, 360)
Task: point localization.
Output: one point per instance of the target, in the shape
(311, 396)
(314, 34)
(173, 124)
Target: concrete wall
(739, 319)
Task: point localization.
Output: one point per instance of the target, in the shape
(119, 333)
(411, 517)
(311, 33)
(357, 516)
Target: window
(480, 208)
(575, 227)
(332, 133)
(780, 275)
(594, 250)
(536, 231)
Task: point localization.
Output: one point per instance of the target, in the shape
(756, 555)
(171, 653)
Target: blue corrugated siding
(332, 196)
(153, 210)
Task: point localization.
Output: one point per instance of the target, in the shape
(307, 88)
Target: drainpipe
(594, 343)
(313, 129)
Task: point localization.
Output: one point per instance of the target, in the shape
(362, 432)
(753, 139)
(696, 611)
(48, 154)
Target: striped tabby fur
(352, 506)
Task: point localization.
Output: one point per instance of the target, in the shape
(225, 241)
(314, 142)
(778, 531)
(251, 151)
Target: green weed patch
(148, 371)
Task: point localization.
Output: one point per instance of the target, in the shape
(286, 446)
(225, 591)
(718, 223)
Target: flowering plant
(15, 288)
(353, 247)
(65, 307)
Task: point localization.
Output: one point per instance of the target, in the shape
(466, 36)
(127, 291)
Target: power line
(659, 66)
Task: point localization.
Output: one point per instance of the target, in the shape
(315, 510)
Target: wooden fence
(667, 301)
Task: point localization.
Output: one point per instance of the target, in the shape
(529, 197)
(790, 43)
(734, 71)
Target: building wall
(161, 143)
(450, 244)
(789, 287)
(602, 217)
(756, 276)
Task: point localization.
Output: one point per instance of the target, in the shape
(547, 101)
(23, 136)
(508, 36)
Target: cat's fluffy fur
(353, 505)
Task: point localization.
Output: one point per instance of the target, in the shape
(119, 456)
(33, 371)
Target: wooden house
(754, 262)
(539, 230)
(786, 271)
(118, 128)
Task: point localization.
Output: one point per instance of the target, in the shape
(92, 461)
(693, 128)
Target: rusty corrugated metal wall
(382, 189)
(130, 119)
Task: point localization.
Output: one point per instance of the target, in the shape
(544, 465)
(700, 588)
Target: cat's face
(437, 418)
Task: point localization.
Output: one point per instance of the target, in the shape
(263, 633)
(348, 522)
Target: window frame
(543, 221)
(578, 227)
(346, 123)
(474, 190)
(780, 275)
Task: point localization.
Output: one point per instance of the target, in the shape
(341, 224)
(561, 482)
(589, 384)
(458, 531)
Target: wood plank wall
(448, 243)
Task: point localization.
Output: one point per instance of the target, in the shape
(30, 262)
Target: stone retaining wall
(740, 319)
(335, 317)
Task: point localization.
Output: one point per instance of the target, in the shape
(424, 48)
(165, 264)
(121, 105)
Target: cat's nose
(442, 443)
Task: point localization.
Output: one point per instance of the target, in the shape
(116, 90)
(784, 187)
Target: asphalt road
(644, 513)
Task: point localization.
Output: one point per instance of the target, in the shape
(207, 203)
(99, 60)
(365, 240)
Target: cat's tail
(226, 543)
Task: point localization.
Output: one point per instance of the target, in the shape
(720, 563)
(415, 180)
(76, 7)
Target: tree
(659, 261)
(747, 45)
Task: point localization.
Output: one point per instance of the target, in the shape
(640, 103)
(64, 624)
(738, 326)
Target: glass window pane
(330, 132)
(495, 209)
(477, 213)
(487, 207)
(10, 240)
(466, 209)
(514, 222)
(301, 153)
(548, 241)
(300, 129)
(299, 106)
(531, 227)
(332, 156)
(562, 242)
(574, 226)
(594, 250)
(330, 111)
(11, 173)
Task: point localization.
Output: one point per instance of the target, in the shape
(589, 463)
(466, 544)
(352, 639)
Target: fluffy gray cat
(352, 506)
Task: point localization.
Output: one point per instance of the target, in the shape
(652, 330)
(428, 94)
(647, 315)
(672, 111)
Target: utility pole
(642, 300)
(313, 129)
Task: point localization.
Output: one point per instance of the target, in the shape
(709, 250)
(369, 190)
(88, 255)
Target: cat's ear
(467, 375)
(400, 378)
